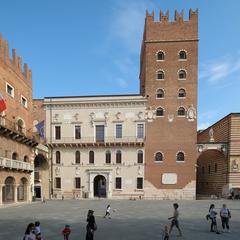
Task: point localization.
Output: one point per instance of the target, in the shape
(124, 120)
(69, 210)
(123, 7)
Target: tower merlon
(193, 14)
(150, 16)
(164, 17)
(178, 16)
(15, 62)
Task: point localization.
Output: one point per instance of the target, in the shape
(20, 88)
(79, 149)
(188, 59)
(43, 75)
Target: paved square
(139, 219)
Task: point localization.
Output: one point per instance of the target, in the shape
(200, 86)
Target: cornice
(92, 105)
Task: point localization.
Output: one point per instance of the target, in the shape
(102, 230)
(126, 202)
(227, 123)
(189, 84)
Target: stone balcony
(15, 164)
(17, 133)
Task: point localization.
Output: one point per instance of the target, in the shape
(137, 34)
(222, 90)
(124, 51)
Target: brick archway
(211, 172)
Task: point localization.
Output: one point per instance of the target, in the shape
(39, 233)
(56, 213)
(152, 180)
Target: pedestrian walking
(29, 233)
(91, 225)
(108, 211)
(175, 221)
(66, 232)
(213, 218)
(225, 215)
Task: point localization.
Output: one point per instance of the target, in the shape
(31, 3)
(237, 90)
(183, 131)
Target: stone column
(29, 193)
(15, 193)
(1, 187)
(91, 177)
(109, 185)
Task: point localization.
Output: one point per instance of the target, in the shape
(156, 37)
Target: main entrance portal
(100, 186)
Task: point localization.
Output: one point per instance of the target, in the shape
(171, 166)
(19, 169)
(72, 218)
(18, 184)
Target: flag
(40, 129)
(2, 104)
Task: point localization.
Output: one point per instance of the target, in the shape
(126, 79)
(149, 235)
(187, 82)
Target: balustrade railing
(15, 164)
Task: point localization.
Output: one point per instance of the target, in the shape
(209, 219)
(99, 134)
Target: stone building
(16, 138)
(218, 162)
(96, 145)
(88, 156)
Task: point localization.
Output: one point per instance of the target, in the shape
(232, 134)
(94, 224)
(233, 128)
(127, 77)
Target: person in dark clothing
(91, 225)
(29, 233)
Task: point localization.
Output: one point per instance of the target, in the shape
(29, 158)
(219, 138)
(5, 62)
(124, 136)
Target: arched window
(14, 156)
(159, 112)
(160, 75)
(181, 93)
(160, 93)
(108, 157)
(140, 156)
(158, 157)
(180, 157)
(77, 157)
(91, 157)
(160, 56)
(58, 157)
(118, 157)
(181, 111)
(25, 159)
(182, 74)
(182, 55)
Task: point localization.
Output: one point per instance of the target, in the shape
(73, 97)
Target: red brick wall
(12, 72)
(181, 134)
(213, 182)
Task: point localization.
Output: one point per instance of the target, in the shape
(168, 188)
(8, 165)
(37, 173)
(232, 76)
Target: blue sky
(92, 47)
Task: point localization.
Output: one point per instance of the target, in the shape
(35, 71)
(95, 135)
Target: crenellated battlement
(15, 62)
(178, 16)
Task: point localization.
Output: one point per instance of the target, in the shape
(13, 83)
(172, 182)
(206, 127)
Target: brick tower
(168, 78)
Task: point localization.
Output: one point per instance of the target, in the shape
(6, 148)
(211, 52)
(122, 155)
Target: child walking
(165, 233)
(66, 232)
(108, 211)
(225, 214)
(37, 228)
(175, 221)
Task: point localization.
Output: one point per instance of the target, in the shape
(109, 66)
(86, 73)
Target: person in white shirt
(175, 221)
(225, 214)
(213, 217)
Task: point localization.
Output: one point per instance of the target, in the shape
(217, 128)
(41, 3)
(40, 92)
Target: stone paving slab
(141, 219)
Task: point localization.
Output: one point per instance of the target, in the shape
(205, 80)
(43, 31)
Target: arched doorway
(100, 186)
(8, 190)
(211, 172)
(41, 177)
(22, 190)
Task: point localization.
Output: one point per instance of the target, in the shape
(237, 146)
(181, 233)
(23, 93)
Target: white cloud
(121, 82)
(203, 125)
(127, 23)
(208, 115)
(217, 70)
